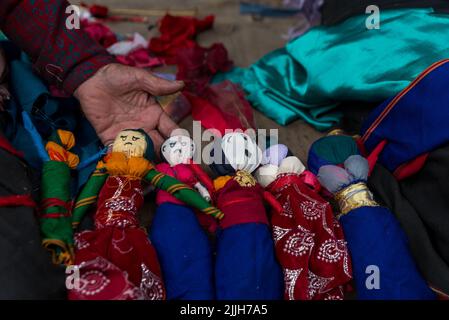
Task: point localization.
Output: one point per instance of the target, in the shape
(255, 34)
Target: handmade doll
(382, 263)
(246, 266)
(309, 242)
(181, 244)
(116, 260)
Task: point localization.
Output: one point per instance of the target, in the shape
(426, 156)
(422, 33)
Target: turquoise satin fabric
(310, 76)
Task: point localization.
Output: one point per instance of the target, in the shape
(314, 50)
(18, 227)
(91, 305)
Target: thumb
(157, 86)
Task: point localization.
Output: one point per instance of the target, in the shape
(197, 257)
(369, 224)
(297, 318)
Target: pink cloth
(183, 173)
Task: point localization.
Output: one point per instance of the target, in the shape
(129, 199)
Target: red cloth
(117, 256)
(7, 146)
(221, 106)
(309, 241)
(99, 32)
(17, 201)
(178, 33)
(139, 58)
(240, 204)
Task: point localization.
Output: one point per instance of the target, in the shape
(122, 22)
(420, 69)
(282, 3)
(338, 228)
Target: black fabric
(26, 271)
(336, 11)
(421, 204)
(355, 113)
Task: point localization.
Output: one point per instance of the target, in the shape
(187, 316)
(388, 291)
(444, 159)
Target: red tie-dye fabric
(309, 241)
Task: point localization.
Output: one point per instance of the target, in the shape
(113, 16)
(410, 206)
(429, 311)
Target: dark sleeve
(62, 56)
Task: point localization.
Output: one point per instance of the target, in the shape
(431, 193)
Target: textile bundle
(310, 76)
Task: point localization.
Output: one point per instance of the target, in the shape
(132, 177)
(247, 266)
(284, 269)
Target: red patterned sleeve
(62, 56)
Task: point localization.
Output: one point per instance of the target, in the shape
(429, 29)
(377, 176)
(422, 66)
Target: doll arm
(202, 191)
(89, 193)
(55, 206)
(182, 192)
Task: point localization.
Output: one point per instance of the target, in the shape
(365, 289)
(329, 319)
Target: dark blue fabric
(330, 150)
(184, 253)
(30, 93)
(417, 124)
(375, 237)
(246, 267)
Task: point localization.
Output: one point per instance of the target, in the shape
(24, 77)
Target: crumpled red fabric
(178, 33)
(220, 106)
(139, 58)
(99, 32)
(309, 241)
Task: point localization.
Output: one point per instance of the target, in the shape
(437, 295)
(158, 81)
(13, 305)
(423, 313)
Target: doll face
(241, 151)
(130, 142)
(178, 149)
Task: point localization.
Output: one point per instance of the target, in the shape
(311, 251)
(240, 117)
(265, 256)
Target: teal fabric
(315, 72)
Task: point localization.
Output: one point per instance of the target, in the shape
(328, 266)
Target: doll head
(134, 143)
(178, 149)
(237, 151)
(277, 160)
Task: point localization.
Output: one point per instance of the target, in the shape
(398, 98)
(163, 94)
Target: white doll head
(241, 151)
(277, 161)
(266, 174)
(291, 165)
(178, 149)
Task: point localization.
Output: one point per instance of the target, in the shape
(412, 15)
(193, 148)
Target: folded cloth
(421, 204)
(409, 111)
(327, 65)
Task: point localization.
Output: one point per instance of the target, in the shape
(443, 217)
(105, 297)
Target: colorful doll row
(297, 251)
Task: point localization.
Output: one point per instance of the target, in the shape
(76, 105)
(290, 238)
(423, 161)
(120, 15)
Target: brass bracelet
(355, 196)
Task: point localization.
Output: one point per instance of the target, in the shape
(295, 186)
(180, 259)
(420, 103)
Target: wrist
(77, 80)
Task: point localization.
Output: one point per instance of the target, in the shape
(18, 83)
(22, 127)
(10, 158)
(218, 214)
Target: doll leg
(246, 267)
(184, 253)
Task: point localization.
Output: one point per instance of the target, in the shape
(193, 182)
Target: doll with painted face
(246, 266)
(116, 260)
(309, 241)
(181, 244)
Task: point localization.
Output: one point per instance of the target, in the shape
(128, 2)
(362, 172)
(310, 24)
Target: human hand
(120, 97)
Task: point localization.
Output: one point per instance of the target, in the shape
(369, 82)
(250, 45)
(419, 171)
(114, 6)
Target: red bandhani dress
(309, 241)
(117, 260)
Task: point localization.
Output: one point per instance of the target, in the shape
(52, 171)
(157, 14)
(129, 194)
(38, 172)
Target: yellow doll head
(134, 143)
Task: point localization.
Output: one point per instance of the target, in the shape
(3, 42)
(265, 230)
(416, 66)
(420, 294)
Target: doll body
(246, 266)
(182, 245)
(309, 241)
(383, 266)
(124, 262)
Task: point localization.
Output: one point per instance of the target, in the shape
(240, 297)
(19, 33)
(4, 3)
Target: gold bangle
(355, 196)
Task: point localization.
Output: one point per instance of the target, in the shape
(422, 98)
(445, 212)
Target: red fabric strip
(17, 201)
(6, 145)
